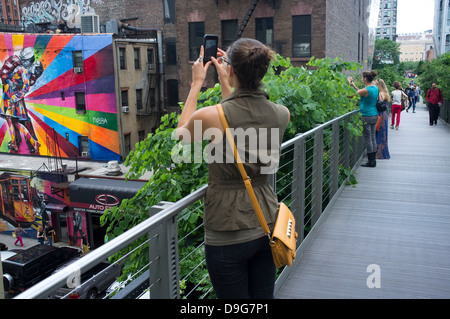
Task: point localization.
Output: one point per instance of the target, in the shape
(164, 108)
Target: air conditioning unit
(78, 69)
(85, 154)
(90, 24)
(125, 109)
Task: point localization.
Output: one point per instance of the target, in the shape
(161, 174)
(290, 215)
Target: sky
(414, 16)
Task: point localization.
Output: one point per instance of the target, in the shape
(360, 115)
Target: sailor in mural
(18, 73)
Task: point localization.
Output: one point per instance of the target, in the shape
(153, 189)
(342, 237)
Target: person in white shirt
(397, 96)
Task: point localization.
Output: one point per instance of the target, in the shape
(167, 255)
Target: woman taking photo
(238, 255)
(368, 106)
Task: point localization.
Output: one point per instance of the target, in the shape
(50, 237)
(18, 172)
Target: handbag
(403, 103)
(381, 106)
(283, 241)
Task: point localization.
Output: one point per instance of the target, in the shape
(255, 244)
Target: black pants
(242, 271)
(433, 110)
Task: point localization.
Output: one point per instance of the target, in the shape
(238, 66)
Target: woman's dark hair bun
(370, 75)
(250, 60)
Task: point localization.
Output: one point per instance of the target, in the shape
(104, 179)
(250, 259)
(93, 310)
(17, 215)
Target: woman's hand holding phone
(223, 72)
(199, 69)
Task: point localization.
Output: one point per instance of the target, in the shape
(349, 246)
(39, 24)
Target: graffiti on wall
(23, 199)
(55, 11)
(50, 108)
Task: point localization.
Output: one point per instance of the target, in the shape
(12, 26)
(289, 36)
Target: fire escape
(249, 14)
(57, 170)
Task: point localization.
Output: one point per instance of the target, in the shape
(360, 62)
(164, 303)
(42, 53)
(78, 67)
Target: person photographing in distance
(369, 114)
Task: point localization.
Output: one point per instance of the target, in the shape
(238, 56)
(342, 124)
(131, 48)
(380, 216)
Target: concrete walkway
(388, 237)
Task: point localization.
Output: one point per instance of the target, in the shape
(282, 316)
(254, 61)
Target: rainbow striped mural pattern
(38, 109)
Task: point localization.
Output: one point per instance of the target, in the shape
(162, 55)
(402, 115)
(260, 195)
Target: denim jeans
(242, 271)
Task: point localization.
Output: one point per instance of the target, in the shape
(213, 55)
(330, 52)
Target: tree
(386, 53)
(437, 71)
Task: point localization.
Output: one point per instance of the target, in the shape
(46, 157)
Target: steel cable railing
(309, 177)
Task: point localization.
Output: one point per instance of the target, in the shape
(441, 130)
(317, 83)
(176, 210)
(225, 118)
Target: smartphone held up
(210, 47)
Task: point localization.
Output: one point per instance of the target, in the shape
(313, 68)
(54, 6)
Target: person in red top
(434, 99)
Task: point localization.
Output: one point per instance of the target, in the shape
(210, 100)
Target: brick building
(10, 15)
(295, 29)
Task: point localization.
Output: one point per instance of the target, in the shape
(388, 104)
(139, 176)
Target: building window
(229, 32)
(80, 102)
(141, 135)
(137, 58)
(127, 144)
(77, 59)
(124, 96)
(139, 99)
(196, 33)
(150, 59)
(172, 92)
(171, 51)
(83, 142)
(122, 58)
(264, 31)
(169, 11)
(152, 97)
(301, 36)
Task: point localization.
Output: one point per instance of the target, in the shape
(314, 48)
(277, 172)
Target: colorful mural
(42, 93)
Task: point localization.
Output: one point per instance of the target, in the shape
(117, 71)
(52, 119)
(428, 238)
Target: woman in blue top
(368, 106)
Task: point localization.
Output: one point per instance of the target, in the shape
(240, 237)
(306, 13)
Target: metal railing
(444, 113)
(313, 170)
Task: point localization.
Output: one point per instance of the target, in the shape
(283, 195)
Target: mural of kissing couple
(18, 73)
(47, 106)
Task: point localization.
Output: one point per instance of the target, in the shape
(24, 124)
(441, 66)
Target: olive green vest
(229, 216)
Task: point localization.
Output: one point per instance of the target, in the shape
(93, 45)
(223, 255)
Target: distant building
(10, 16)
(387, 20)
(416, 46)
(441, 28)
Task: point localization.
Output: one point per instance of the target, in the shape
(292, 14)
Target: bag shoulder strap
(247, 181)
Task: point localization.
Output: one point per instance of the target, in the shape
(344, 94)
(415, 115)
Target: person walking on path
(397, 96)
(18, 232)
(368, 106)
(382, 124)
(435, 99)
(412, 99)
(418, 93)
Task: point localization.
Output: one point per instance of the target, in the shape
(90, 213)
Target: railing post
(334, 159)
(317, 177)
(298, 188)
(163, 257)
(354, 154)
(345, 154)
